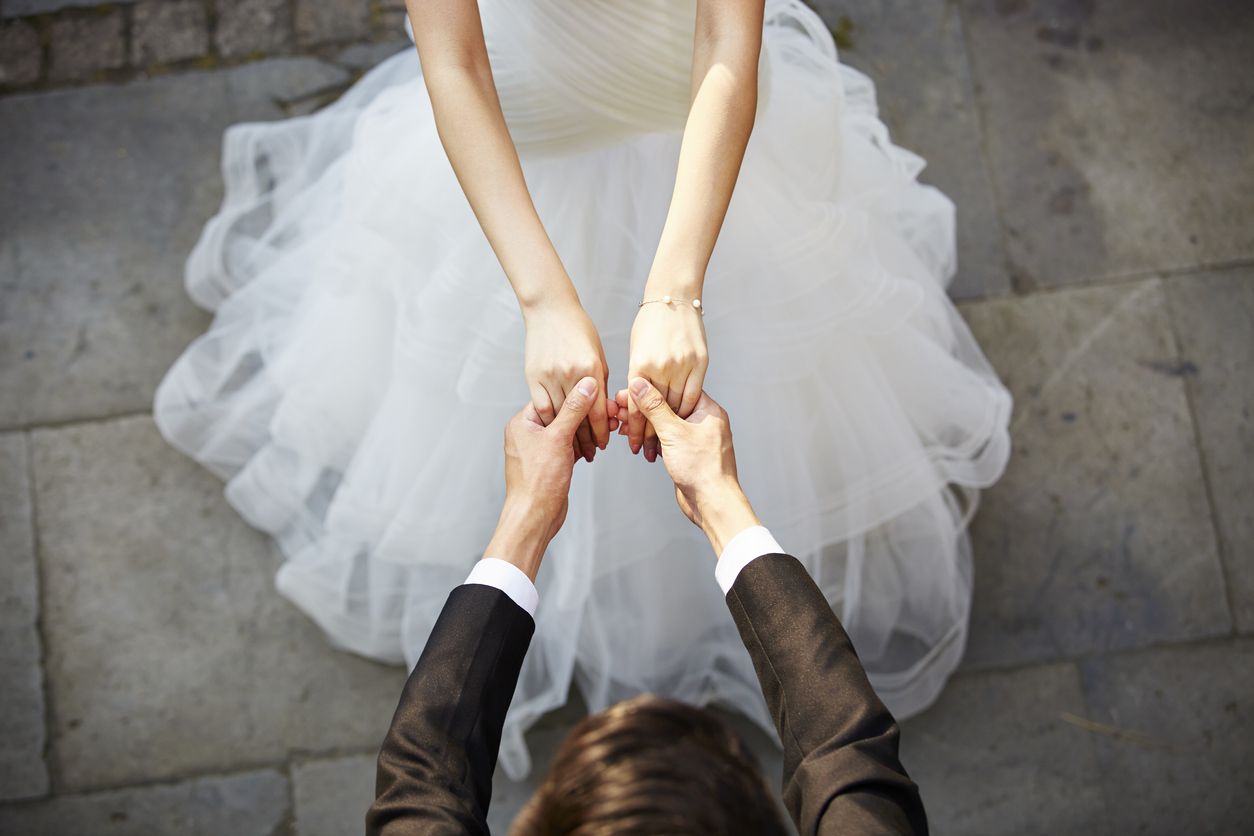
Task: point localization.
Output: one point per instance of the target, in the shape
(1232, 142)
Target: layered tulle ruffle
(366, 352)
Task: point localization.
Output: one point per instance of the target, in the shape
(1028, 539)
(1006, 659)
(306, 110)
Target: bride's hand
(668, 349)
(562, 348)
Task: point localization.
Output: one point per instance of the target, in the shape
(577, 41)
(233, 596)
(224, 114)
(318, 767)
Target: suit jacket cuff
(508, 578)
(740, 551)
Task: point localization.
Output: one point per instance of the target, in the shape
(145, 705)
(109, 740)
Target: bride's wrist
(558, 301)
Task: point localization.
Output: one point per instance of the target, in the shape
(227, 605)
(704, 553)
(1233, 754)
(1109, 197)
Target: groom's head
(650, 765)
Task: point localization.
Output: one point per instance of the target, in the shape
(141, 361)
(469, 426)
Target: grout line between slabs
(1212, 640)
(40, 623)
(981, 127)
(1203, 465)
(70, 423)
(1115, 280)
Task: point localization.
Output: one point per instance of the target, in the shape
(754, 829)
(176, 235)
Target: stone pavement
(1099, 155)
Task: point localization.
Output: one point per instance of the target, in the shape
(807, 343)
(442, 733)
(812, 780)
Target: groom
(647, 765)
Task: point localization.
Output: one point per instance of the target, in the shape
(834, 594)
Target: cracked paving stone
(1099, 535)
(22, 770)
(1214, 317)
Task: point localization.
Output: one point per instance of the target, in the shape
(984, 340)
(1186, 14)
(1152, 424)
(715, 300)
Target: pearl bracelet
(668, 299)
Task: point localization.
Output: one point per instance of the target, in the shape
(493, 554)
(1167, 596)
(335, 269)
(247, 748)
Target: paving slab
(248, 804)
(1099, 535)
(996, 755)
(1174, 740)
(21, 55)
(84, 47)
(103, 192)
(168, 30)
(330, 21)
(1119, 133)
(1214, 318)
(22, 8)
(169, 652)
(22, 770)
(333, 795)
(247, 27)
(916, 55)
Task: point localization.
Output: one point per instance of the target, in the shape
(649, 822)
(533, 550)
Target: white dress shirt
(740, 551)
(508, 578)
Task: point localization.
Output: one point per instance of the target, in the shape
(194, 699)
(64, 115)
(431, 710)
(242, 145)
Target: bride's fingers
(543, 403)
(623, 400)
(692, 394)
(599, 419)
(611, 416)
(583, 438)
(675, 394)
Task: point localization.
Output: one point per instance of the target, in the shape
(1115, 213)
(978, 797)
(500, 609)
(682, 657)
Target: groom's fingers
(544, 404)
(599, 417)
(635, 425)
(652, 404)
(621, 399)
(584, 445)
(575, 408)
(530, 415)
(650, 432)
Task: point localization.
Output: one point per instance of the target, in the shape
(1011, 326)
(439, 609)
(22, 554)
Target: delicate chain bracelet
(668, 300)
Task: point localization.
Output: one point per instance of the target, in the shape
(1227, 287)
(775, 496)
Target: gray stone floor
(1099, 153)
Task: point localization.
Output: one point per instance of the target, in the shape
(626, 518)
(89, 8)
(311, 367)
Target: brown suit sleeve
(841, 771)
(435, 767)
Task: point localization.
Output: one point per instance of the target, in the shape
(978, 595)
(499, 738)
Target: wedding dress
(367, 351)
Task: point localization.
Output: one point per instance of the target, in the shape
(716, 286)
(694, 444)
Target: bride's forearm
(472, 128)
(720, 120)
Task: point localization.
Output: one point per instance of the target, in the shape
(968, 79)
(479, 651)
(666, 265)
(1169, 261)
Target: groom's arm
(435, 767)
(841, 770)
(436, 764)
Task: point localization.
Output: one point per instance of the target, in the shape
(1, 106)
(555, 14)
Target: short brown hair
(655, 766)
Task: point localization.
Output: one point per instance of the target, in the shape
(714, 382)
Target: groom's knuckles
(652, 402)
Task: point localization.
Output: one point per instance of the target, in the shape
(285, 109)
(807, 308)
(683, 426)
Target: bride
(575, 162)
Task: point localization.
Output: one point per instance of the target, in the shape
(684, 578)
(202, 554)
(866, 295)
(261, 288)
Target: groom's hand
(538, 465)
(700, 459)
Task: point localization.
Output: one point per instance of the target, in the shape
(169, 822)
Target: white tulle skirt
(367, 351)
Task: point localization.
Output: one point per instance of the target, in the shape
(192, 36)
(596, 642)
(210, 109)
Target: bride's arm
(562, 343)
(668, 342)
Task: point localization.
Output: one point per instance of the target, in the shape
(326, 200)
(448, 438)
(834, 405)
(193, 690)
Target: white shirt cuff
(508, 578)
(740, 551)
